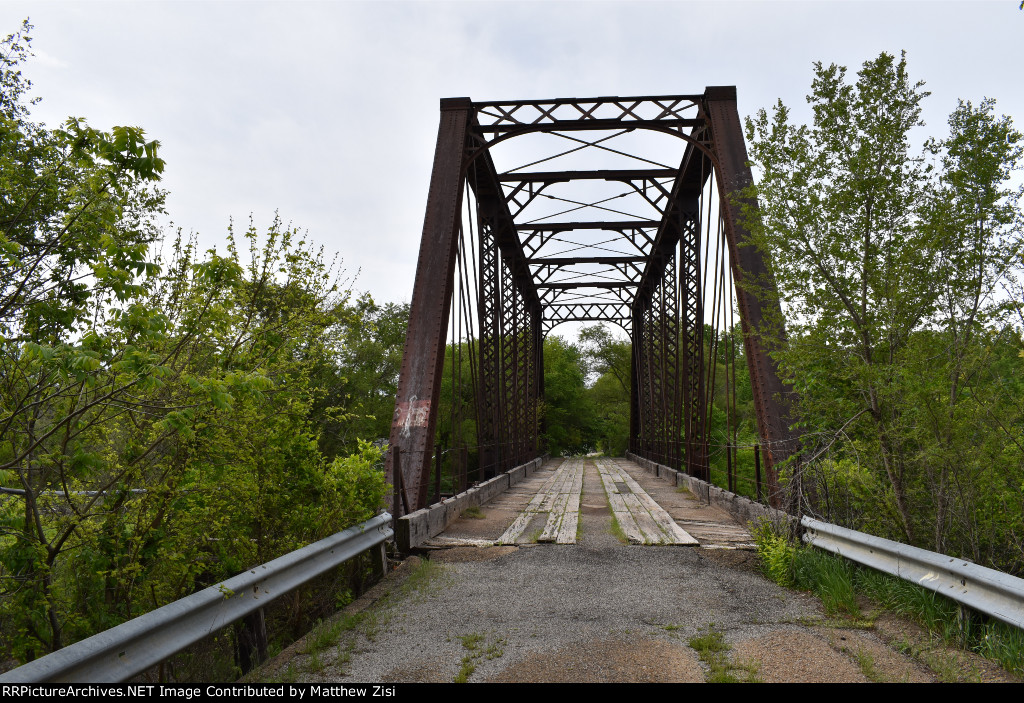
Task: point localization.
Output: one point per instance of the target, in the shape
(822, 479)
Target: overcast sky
(327, 111)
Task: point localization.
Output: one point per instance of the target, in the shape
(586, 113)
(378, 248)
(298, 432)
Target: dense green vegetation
(167, 418)
(899, 271)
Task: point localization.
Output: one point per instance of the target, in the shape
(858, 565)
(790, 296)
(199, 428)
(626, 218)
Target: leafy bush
(775, 551)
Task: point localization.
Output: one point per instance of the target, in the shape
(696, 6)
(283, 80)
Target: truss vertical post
(507, 368)
(539, 425)
(419, 388)
(537, 377)
(760, 319)
(490, 425)
(635, 376)
(691, 289)
(670, 354)
(647, 392)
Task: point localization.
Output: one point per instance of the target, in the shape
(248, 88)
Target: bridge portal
(623, 210)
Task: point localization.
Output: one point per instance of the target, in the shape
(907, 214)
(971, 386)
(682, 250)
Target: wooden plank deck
(640, 517)
(559, 499)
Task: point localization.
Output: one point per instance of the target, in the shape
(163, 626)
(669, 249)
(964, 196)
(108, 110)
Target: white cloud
(327, 111)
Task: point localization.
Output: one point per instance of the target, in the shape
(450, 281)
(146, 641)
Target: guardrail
(128, 649)
(986, 590)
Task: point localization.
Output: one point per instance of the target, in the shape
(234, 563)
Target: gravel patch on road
(797, 656)
(555, 598)
(616, 660)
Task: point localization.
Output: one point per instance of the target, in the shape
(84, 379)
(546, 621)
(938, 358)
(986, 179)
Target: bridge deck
(547, 508)
(596, 610)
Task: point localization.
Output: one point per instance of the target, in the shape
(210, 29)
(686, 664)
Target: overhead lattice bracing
(619, 210)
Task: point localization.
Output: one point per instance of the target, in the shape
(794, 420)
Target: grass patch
(324, 635)
(473, 513)
(949, 669)
(467, 669)
(828, 577)
(314, 664)
(425, 578)
(616, 529)
(477, 648)
(866, 662)
(713, 650)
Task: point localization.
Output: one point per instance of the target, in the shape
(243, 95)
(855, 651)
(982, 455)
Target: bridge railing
(131, 648)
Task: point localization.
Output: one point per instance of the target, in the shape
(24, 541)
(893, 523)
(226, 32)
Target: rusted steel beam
(568, 226)
(574, 260)
(751, 273)
(419, 386)
(677, 123)
(666, 102)
(606, 175)
(586, 284)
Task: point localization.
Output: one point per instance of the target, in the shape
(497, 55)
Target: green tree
(837, 213)
(611, 360)
(360, 379)
(156, 417)
(77, 215)
(890, 270)
(571, 425)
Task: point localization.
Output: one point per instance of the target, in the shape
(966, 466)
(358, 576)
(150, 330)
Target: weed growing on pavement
(474, 513)
(476, 647)
(616, 530)
(713, 650)
(866, 662)
(426, 578)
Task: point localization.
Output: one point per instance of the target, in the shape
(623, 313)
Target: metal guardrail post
(129, 649)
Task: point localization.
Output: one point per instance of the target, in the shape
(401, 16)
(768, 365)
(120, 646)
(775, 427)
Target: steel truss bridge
(615, 209)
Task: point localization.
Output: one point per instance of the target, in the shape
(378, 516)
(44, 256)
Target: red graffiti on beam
(414, 413)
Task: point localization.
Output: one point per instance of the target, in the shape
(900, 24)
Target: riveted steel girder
(761, 320)
(419, 387)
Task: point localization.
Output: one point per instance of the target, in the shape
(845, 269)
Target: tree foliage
(158, 415)
(892, 265)
(568, 414)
